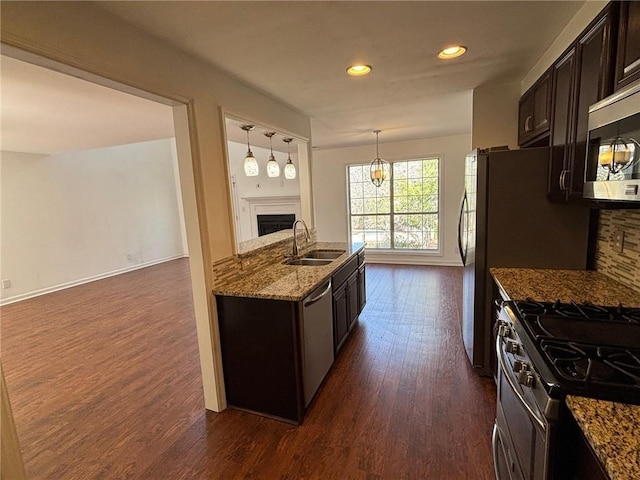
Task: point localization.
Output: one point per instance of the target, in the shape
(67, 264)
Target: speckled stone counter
(564, 285)
(612, 431)
(288, 282)
(610, 428)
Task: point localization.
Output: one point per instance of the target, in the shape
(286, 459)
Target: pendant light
(289, 168)
(273, 169)
(380, 169)
(251, 168)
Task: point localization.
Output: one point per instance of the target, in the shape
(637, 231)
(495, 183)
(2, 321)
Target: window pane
(384, 205)
(430, 203)
(400, 170)
(430, 167)
(355, 174)
(356, 190)
(357, 206)
(370, 205)
(415, 186)
(414, 169)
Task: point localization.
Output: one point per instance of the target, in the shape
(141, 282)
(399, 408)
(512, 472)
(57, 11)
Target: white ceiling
(297, 52)
(44, 111)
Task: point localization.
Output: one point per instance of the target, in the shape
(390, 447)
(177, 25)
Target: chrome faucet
(296, 248)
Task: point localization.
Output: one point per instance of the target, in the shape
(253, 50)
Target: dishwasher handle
(315, 299)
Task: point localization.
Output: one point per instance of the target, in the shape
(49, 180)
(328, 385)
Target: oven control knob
(504, 330)
(525, 378)
(512, 347)
(520, 366)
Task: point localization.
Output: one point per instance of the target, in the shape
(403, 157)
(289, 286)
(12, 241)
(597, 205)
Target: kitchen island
(282, 323)
(610, 428)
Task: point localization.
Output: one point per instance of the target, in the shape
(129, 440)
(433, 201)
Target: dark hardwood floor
(104, 381)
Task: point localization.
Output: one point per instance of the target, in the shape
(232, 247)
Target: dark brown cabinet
(340, 315)
(561, 129)
(362, 288)
(259, 341)
(579, 461)
(581, 77)
(533, 112)
(628, 48)
(349, 296)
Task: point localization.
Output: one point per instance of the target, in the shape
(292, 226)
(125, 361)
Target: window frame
(390, 215)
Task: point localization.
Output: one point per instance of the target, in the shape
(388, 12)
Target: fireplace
(274, 223)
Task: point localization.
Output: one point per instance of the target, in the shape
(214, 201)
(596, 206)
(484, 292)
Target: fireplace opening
(274, 223)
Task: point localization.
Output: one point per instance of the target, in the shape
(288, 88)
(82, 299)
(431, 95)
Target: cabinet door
(628, 52)
(525, 118)
(541, 104)
(561, 127)
(593, 83)
(340, 315)
(352, 294)
(533, 113)
(362, 288)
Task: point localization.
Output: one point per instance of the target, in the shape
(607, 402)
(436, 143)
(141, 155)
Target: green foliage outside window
(400, 214)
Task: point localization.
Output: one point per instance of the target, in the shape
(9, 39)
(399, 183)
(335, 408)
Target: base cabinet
(349, 297)
(260, 340)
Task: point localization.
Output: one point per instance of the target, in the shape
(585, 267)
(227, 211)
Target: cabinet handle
(527, 124)
(563, 178)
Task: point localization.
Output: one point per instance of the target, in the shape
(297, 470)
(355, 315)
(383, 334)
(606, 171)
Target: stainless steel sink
(313, 262)
(332, 254)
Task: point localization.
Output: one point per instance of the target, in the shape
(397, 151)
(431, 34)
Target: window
(402, 214)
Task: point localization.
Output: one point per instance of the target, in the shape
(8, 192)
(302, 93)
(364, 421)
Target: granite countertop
(564, 285)
(611, 429)
(289, 282)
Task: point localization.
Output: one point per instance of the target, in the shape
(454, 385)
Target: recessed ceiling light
(452, 52)
(359, 70)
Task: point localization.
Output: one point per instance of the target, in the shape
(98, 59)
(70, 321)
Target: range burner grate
(592, 365)
(586, 310)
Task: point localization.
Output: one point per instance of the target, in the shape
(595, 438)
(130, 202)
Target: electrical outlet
(6, 283)
(618, 241)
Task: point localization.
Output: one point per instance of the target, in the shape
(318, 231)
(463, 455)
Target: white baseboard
(403, 258)
(93, 278)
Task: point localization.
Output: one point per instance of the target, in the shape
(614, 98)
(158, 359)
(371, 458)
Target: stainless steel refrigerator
(507, 221)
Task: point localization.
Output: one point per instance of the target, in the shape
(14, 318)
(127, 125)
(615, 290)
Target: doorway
(188, 210)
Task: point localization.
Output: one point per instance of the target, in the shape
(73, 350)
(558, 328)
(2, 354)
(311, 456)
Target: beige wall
(81, 35)
(330, 191)
(495, 115)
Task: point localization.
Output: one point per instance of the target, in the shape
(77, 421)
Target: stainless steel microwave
(612, 171)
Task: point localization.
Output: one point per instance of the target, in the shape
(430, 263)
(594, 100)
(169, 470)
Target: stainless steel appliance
(506, 221)
(317, 339)
(545, 352)
(613, 148)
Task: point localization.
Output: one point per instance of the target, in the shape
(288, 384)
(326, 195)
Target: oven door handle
(515, 388)
(494, 449)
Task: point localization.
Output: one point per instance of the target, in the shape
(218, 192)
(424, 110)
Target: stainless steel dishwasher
(317, 339)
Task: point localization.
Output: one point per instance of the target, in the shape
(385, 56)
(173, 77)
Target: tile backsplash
(623, 266)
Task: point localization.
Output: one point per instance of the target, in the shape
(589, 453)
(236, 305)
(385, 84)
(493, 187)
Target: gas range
(546, 351)
(587, 349)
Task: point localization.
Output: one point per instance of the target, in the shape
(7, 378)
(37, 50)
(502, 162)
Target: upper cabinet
(581, 77)
(628, 51)
(533, 113)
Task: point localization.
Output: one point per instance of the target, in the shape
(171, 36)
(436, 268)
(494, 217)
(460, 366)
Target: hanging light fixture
(273, 169)
(380, 169)
(289, 168)
(251, 168)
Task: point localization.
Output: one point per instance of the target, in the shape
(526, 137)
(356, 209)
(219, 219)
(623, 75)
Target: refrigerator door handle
(461, 248)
